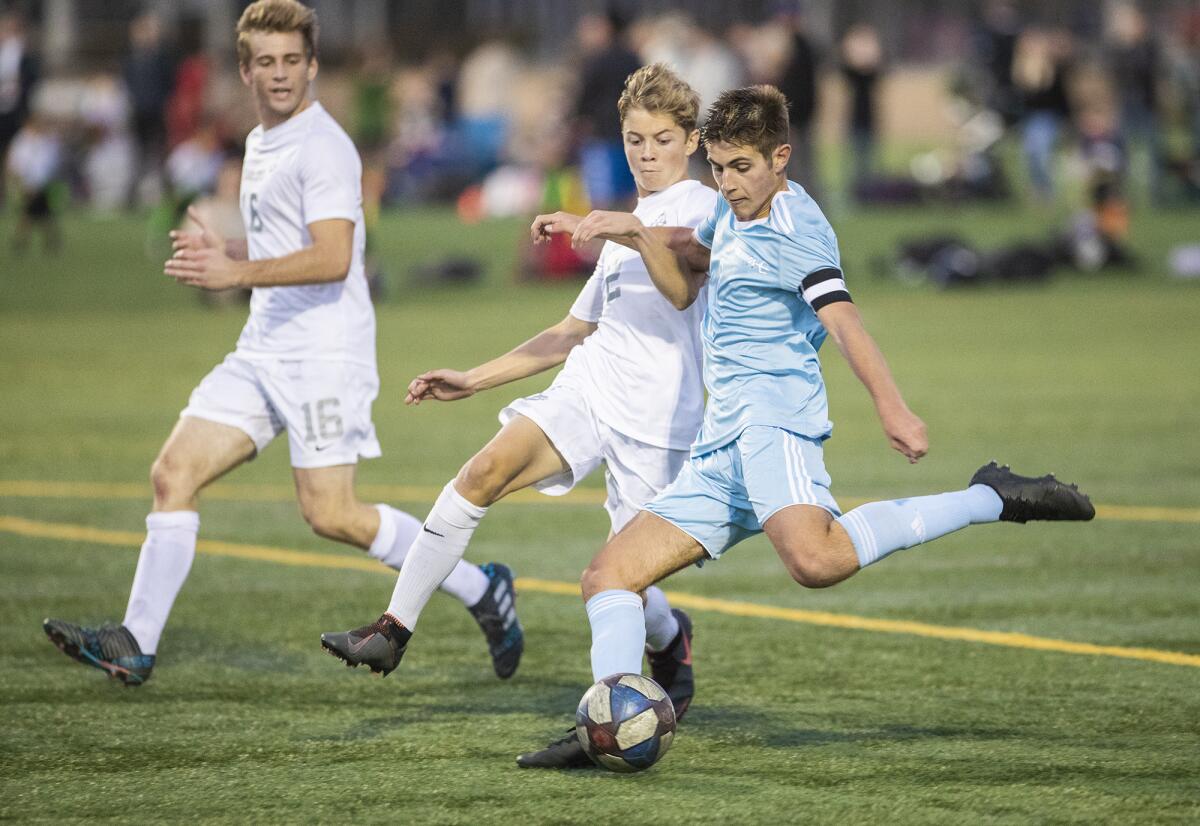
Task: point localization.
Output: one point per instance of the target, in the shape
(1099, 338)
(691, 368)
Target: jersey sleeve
(590, 303)
(330, 179)
(811, 265)
(698, 208)
(707, 227)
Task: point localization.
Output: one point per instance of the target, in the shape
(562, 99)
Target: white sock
(438, 550)
(618, 633)
(162, 567)
(397, 532)
(661, 625)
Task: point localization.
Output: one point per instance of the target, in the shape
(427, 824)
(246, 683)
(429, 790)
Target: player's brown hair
(657, 89)
(754, 116)
(276, 16)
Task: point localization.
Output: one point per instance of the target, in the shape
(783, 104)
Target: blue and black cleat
(496, 613)
(111, 648)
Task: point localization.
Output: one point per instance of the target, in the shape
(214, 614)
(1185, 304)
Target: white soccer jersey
(642, 365)
(299, 172)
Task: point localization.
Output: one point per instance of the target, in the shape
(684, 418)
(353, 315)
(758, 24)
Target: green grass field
(797, 719)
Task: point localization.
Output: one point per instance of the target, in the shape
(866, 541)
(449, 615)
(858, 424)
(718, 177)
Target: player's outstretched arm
(904, 429)
(212, 267)
(676, 261)
(547, 349)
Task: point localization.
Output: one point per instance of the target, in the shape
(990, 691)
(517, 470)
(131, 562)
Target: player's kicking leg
(197, 452)
(647, 550)
(518, 456)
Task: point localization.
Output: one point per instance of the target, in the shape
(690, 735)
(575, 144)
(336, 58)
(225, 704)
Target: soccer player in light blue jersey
(769, 265)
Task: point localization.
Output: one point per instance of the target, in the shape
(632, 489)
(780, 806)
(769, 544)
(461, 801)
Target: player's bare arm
(212, 267)
(904, 429)
(547, 349)
(207, 238)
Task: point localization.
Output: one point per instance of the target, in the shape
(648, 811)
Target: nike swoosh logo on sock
(435, 533)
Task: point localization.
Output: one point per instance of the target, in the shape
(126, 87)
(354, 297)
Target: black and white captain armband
(824, 287)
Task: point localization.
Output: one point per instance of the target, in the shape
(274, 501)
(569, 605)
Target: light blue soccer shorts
(725, 495)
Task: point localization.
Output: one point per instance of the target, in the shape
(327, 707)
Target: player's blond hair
(754, 116)
(276, 16)
(659, 90)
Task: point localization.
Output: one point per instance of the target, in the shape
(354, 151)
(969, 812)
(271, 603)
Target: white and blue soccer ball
(625, 722)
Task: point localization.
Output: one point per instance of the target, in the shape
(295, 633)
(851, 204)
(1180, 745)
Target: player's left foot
(1028, 497)
(111, 648)
(671, 668)
(379, 646)
(496, 614)
(565, 753)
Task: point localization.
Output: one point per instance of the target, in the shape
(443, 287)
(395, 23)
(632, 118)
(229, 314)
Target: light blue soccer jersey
(766, 280)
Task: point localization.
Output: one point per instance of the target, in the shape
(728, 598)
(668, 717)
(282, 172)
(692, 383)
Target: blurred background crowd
(507, 107)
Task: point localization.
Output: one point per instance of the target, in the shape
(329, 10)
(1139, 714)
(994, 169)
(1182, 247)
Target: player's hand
(906, 432)
(208, 268)
(605, 226)
(554, 223)
(440, 385)
(205, 238)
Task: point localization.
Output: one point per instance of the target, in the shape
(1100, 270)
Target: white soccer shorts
(325, 406)
(634, 471)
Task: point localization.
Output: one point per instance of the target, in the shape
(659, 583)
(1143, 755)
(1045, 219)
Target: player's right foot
(671, 668)
(565, 753)
(379, 646)
(111, 648)
(1027, 497)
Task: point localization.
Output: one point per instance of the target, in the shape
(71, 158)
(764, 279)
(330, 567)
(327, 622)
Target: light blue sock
(878, 528)
(618, 633)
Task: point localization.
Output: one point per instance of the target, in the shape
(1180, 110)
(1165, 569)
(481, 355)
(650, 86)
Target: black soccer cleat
(671, 668)
(379, 646)
(1026, 497)
(566, 753)
(496, 613)
(111, 648)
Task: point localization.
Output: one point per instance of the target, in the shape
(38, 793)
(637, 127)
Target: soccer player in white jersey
(767, 261)
(304, 364)
(630, 396)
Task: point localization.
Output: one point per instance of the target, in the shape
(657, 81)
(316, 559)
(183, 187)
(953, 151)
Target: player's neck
(270, 120)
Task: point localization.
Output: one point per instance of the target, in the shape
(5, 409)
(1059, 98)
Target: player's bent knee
(327, 522)
(482, 478)
(173, 483)
(810, 570)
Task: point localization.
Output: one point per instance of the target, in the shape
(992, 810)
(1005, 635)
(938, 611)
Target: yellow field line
(31, 489)
(283, 556)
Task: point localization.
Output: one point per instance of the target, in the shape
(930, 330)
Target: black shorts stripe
(814, 278)
(831, 298)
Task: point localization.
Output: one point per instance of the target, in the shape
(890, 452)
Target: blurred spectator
(485, 85)
(194, 165)
(996, 46)
(799, 83)
(185, 109)
(34, 165)
(372, 107)
(1039, 73)
(1134, 59)
(607, 62)
(708, 64)
(18, 75)
(862, 67)
(109, 164)
(149, 73)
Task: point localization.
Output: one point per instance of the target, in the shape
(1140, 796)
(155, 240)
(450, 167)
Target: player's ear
(693, 142)
(312, 69)
(779, 158)
(244, 71)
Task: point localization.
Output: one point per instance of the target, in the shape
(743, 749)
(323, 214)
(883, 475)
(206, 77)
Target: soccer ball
(625, 722)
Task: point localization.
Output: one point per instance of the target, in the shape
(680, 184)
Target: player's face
(278, 75)
(657, 149)
(747, 179)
